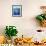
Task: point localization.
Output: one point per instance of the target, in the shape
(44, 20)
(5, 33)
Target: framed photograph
(16, 10)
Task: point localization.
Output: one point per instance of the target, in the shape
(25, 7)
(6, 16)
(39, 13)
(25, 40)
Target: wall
(26, 24)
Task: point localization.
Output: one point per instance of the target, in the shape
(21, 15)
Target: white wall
(26, 24)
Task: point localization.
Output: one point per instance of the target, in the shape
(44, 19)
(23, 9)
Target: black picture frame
(16, 10)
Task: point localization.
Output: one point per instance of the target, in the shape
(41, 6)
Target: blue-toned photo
(17, 10)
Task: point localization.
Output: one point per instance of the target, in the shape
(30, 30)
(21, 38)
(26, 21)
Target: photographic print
(16, 10)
